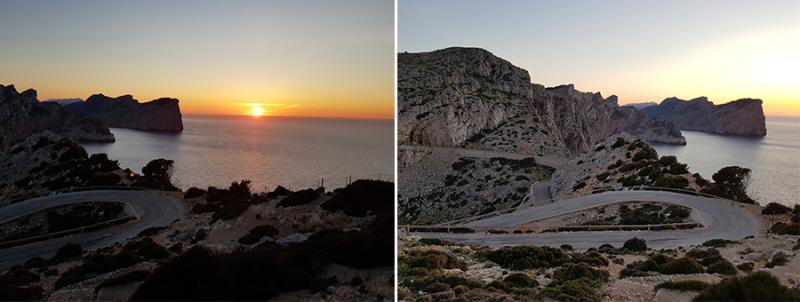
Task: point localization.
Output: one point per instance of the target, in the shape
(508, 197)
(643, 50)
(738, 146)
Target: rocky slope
(162, 114)
(740, 117)
(469, 97)
(21, 115)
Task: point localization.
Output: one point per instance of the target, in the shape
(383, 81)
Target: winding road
(153, 209)
(722, 219)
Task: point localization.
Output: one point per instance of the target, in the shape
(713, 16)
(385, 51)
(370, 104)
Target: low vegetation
(759, 286)
(683, 285)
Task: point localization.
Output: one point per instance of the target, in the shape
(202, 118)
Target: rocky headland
(162, 114)
(739, 117)
(467, 97)
(22, 114)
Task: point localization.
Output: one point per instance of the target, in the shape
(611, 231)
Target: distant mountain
(740, 117)
(63, 102)
(22, 114)
(640, 106)
(469, 97)
(162, 114)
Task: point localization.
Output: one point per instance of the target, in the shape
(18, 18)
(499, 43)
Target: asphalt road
(723, 219)
(153, 209)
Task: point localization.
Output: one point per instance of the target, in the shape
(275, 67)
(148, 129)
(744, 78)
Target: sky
(642, 50)
(301, 58)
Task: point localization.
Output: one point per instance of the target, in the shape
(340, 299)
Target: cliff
(21, 115)
(469, 97)
(740, 117)
(162, 114)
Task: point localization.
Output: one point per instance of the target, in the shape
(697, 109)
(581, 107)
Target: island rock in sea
(740, 117)
(467, 97)
(162, 114)
(22, 114)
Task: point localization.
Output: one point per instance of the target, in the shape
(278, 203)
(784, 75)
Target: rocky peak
(124, 111)
(740, 117)
(469, 97)
(22, 115)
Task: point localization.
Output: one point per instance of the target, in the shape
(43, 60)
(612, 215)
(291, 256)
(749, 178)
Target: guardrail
(20, 198)
(87, 228)
(597, 191)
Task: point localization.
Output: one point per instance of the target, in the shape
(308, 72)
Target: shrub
(774, 208)
(705, 257)
(573, 290)
(683, 285)
(668, 160)
(574, 271)
(778, 259)
(602, 176)
(520, 280)
(362, 197)
(646, 153)
(746, 267)
(760, 286)
(782, 228)
(619, 143)
(433, 259)
(681, 266)
(194, 192)
(526, 257)
(667, 181)
(678, 168)
(157, 174)
(299, 198)
(19, 293)
(723, 266)
(578, 186)
(255, 234)
(68, 251)
(229, 211)
(635, 245)
(719, 242)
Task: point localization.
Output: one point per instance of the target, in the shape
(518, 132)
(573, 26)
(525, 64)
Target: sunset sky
(302, 58)
(638, 50)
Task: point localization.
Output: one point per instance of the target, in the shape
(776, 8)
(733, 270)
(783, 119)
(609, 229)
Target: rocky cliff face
(21, 115)
(162, 114)
(740, 117)
(469, 97)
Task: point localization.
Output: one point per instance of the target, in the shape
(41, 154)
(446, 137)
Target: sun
(257, 110)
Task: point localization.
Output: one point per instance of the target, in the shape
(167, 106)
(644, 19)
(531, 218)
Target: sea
(774, 159)
(294, 152)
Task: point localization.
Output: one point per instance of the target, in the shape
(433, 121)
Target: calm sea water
(774, 159)
(270, 151)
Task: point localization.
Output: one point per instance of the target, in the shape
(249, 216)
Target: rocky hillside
(21, 115)
(162, 114)
(469, 97)
(740, 117)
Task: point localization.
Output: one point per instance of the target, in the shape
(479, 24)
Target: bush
(68, 251)
(255, 234)
(635, 245)
(705, 257)
(719, 242)
(746, 267)
(723, 266)
(194, 192)
(646, 153)
(520, 280)
(683, 285)
(362, 197)
(573, 290)
(299, 198)
(229, 211)
(574, 271)
(760, 286)
(526, 257)
(619, 143)
(778, 259)
(602, 176)
(433, 260)
(681, 266)
(782, 228)
(667, 181)
(774, 208)
(20, 293)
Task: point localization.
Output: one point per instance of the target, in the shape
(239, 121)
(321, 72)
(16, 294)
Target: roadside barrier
(525, 205)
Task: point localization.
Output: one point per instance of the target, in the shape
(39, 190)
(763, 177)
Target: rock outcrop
(467, 97)
(640, 106)
(740, 117)
(162, 114)
(21, 115)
